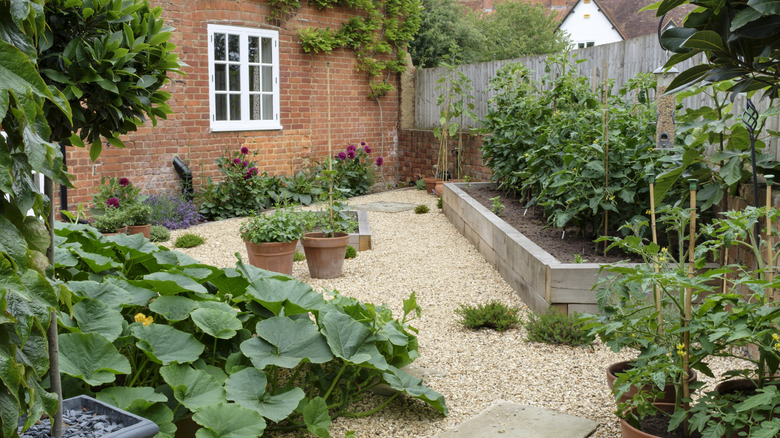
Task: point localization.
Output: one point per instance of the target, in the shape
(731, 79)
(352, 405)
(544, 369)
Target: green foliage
(355, 170)
(242, 351)
(188, 240)
(351, 252)
(378, 34)
(739, 40)
(283, 225)
(498, 206)
(342, 221)
(549, 143)
(67, 73)
(446, 35)
(420, 184)
(110, 60)
(421, 209)
(455, 101)
(298, 256)
(440, 203)
(556, 328)
(724, 319)
(138, 213)
(111, 220)
(495, 315)
(579, 259)
(120, 188)
(158, 233)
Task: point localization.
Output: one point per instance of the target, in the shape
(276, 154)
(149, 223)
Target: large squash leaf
(91, 357)
(165, 344)
(286, 342)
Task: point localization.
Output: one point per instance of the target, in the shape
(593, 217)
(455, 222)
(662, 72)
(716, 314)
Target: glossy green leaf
(94, 316)
(167, 283)
(672, 39)
(173, 308)
(107, 293)
(744, 17)
(285, 342)
(704, 40)
(228, 421)
(291, 295)
(195, 389)
(350, 340)
(123, 396)
(217, 323)
(12, 242)
(19, 75)
(91, 357)
(167, 345)
(769, 7)
(316, 417)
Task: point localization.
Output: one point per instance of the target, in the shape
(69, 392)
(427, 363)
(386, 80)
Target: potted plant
(112, 221)
(325, 243)
(271, 239)
(138, 218)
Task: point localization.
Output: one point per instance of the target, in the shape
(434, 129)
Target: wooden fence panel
(620, 61)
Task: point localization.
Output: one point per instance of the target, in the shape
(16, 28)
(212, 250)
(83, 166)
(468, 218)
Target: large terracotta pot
(630, 431)
(139, 229)
(618, 367)
(438, 187)
(272, 256)
(430, 184)
(325, 255)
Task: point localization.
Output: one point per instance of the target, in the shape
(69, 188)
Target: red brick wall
(418, 152)
(150, 151)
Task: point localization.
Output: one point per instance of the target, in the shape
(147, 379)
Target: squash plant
(240, 350)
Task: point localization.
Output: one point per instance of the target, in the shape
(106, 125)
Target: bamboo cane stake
(656, 291)
(606, 150)
(770, 265)
(689, 290)
(330, 154)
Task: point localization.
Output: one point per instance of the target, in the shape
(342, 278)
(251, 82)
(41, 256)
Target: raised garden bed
(539, 279)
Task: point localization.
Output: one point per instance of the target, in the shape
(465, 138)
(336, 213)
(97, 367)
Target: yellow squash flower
(143, 319)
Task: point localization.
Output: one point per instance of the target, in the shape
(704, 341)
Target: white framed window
(586, 44)
(243, 78)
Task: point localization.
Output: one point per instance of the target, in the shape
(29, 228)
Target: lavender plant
(174, 212)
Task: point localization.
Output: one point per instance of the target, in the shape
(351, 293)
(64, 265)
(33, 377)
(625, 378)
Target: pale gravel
(472, 369)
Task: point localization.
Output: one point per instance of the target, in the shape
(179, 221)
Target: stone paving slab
(505, 420)
(385, 207)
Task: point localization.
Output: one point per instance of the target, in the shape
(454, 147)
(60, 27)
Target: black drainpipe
(63, 188)
(185, 174)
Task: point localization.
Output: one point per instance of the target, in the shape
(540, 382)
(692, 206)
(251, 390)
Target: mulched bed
(534, 226)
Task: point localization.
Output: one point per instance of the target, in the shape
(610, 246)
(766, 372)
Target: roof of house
(625, 15)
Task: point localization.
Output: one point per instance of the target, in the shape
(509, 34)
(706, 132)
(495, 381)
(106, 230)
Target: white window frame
(244, 124)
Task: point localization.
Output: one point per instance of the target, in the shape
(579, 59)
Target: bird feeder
(664, 132)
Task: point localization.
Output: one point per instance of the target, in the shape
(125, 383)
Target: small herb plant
(138, 213)
(495, 315)
(498, 206)
(421, 209)
(158, 233)
(110, 220)
(299, 256)
(188, 240)
(351, 252)
(283, 225)
(554, 327)
(420, 184)
(579, 259)
(440, 203)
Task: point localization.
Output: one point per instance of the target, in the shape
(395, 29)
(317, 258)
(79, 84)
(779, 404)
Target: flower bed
(537, 277)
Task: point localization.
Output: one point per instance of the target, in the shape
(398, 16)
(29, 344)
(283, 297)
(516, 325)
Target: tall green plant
(455, 104)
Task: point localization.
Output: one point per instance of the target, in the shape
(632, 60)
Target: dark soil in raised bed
(533, 225)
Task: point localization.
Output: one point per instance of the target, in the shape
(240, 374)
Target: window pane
(235, 77)
(254, 107)
(219, 77)
(219, 46)
(267, 55)
(233, 47)
(268, 79)
(254, 49)
(254, 78)
(268, 106)
(235, 107)
(221, 106)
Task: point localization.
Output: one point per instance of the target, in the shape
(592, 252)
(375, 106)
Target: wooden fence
(620, 61)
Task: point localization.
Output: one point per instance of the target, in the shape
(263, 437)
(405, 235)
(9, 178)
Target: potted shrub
(325, 243)
(138, 218)
(271, 239)
(111, 221)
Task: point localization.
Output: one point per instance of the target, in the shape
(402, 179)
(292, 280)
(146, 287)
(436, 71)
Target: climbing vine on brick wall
(378, 34)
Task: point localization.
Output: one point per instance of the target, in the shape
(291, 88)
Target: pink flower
(124, 182)
(113, 202)
(366, 149)
(236, 161)
(244, 150)
(350, 154)
(251, 172)
(341, 156)
(352, 148)
(380, 161)
(244, 163)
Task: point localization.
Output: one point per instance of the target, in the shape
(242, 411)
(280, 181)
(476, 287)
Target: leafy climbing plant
(378, 34)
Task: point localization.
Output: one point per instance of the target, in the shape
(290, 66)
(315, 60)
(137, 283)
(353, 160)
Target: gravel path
(472, 369)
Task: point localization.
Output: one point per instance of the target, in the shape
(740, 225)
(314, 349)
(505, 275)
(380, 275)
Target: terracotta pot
(325, 255)
(736, 385)
(439, 187)
(618, 367)
(139, 229)
(122, 230)
(272, 256)
(630, 431)
(430, 184)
